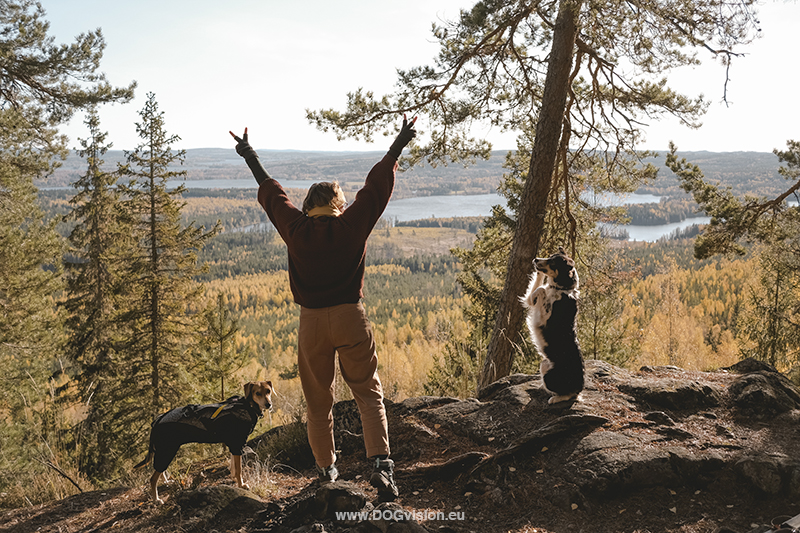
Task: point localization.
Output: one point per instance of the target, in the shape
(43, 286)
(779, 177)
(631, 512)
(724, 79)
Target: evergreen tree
(159, 287)
(672, 311)
(773, 323)
(553, 68)
(30, 262)
(93, 283)
(604, 331)
(221, 358)
(772, 320)
(41, 85)
(30, 326)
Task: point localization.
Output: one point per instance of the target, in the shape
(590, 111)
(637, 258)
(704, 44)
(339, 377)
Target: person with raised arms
(326, 242)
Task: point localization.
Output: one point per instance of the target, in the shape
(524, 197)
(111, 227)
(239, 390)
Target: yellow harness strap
(221, 407)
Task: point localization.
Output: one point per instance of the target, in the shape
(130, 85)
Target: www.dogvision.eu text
(400, 515)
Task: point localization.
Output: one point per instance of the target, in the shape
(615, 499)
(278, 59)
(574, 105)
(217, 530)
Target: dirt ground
(532, 494)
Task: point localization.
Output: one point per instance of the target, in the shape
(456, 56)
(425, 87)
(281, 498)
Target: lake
(653, 233)
(476, 205)
(481, 205)
(464, 205)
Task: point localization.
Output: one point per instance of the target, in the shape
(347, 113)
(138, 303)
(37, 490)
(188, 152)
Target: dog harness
(229, 422)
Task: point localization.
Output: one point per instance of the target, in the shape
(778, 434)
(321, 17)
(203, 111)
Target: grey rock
(748, 365)
(312, 528)
(603, 440)
(479, 421)
(764, 394)
(606, 372)
(410, 405)
(794, 481)
(673, 393)
(337, 497)
(770, 474)
(220, 503)
(451, 468)
(674, 433)
(608, 460)
(562, 426)
(488, 392)
(761, 472)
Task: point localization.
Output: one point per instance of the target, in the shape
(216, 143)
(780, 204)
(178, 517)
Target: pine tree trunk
(508, 329)
(155, 305)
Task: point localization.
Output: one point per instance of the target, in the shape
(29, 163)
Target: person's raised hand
(243, 147)
(407, 132)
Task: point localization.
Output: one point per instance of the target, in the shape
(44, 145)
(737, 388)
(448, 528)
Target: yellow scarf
(324, 211)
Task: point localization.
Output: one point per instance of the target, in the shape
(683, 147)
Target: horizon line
(74, 150)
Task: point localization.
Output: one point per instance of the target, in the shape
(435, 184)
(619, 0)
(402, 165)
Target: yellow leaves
(386, 270)
(686, 316)
(204, 206)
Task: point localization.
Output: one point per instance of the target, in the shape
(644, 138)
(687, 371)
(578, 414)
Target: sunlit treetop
(492, 63)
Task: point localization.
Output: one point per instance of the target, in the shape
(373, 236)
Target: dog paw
(561, 399)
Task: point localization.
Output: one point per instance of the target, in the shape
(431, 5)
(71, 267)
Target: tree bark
(508, 332)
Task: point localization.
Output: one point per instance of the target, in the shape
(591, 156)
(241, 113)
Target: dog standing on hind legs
(229, 422)
(552, 305)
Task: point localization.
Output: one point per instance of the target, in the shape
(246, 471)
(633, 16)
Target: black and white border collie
(552, 305)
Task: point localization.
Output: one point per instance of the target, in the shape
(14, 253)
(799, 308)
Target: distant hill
(349, 168)
(744, 171)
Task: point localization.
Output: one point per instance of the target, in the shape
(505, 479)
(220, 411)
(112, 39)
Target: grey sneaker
(383, 479)
(328, 475)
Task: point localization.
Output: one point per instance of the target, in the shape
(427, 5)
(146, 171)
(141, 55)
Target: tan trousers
(346, 330)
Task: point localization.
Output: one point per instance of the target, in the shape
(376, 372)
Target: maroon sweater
(326, 254)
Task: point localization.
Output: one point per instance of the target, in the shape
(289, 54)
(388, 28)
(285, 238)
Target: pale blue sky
(216, 66)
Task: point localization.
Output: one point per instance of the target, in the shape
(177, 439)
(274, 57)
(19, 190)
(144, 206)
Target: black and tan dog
(229, 422)
(552, 304)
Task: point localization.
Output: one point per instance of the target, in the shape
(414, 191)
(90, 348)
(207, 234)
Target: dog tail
(146, 460)
(150, 452)
(150, 448)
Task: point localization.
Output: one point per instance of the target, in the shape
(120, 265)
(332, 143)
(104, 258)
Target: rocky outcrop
(729, 432)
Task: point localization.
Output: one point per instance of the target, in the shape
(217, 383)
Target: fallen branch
(61, 472)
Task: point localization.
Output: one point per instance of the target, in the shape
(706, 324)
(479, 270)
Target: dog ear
(269, 384)
(248, 389)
